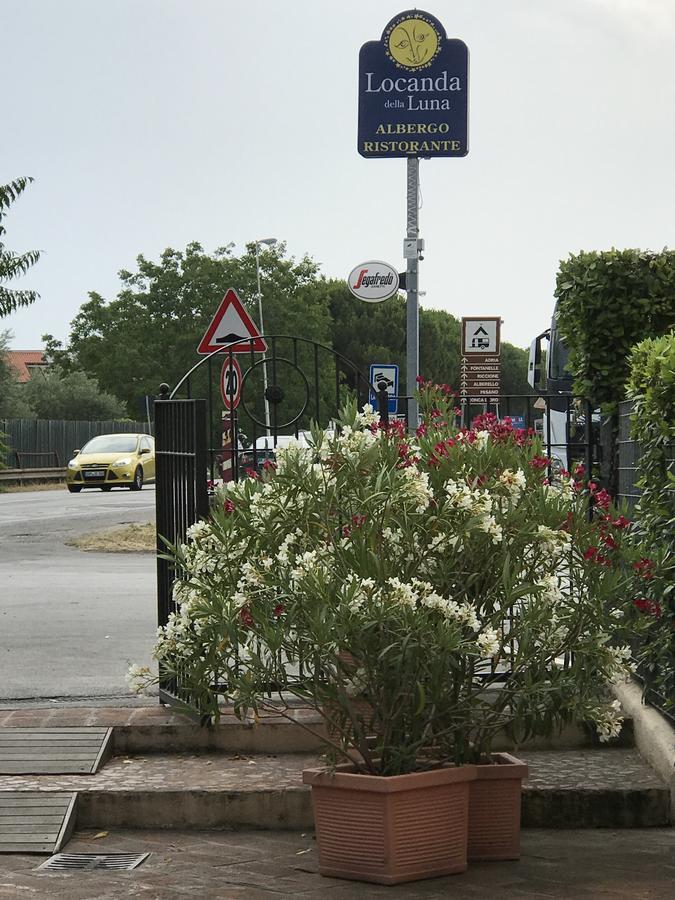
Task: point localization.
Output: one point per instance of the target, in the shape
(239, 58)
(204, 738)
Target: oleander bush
(421, 592)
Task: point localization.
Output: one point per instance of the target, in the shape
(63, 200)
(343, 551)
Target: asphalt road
(70, 621)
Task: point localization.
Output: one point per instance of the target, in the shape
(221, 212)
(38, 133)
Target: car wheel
(74, 488)
(137, 483)
(106, 487)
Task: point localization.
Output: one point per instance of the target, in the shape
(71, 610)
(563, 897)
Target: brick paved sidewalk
(568, 865)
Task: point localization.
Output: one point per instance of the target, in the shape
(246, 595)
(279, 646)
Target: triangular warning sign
(232, 323)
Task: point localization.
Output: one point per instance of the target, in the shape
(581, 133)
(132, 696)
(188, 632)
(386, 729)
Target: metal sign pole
(412, 320)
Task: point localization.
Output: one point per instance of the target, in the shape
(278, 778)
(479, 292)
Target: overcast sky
(152, 123)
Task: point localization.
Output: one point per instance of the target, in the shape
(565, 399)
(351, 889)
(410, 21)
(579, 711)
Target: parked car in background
(113, 460)
(265, 447)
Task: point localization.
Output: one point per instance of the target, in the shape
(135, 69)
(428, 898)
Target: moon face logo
(412, 43)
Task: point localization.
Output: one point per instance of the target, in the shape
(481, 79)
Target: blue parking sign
(388, 375)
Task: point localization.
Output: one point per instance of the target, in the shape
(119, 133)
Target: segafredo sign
(373, 281)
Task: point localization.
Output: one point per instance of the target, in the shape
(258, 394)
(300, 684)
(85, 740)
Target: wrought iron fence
(181, 497)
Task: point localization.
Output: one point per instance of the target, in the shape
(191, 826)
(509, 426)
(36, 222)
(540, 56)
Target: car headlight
(73, 464)
(121, 462)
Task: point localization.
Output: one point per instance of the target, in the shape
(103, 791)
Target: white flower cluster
(401, 593)
(417, 488)
(367, 417)
(283, 553)
(488, 642)
(293, 453)
(353, 443)
(490, 526)
(552, 545)
(621, 663)
(482, 440)
(463, 613)
(607, 721)
(358, 591)
(198, 531)
(461, 496)
(562, 487)
(551, 589)
(514, 482)
(317, 562)
(138, 678)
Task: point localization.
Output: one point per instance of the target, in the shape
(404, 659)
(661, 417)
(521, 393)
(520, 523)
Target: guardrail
(56, 473)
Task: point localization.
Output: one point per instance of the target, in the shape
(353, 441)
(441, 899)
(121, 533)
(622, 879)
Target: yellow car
(112, 460)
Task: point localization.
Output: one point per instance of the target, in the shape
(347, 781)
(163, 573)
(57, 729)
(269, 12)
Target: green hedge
(608, 301)
(651, 387)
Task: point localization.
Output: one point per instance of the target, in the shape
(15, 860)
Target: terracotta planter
(494, 809)
(391, 829)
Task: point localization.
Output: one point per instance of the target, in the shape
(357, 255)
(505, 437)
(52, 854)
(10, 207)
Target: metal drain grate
(66, 861)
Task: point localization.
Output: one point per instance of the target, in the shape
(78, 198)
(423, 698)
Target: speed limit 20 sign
(230, 383)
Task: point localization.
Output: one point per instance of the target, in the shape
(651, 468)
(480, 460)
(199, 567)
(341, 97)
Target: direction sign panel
(230, 383)
(387, 375)
(479, 371)
(232, 323)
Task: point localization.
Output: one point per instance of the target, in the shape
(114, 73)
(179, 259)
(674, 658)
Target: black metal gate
(202, 436)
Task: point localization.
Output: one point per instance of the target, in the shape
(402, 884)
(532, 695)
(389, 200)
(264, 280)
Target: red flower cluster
(621, 522)
(539, 462)
(358, 520)
(251, 473)
(644, 568)
(593, 554)
(602, 499)
(430, 386)
(269, 466)
(651, 607)
(279, 610)
(246, 617)
(228, 506)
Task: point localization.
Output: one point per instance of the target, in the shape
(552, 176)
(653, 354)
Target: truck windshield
(557, 366)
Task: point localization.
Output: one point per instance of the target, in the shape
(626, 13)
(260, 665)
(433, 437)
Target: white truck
(547, 374)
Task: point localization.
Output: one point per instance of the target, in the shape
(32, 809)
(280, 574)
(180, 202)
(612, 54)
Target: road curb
(654, 735)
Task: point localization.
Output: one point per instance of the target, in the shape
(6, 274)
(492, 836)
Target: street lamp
(270, 242)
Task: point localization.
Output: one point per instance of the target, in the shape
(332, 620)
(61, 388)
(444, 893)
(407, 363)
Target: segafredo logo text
(373, 281)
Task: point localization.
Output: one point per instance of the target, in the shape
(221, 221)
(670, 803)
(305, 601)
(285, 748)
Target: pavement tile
(560, 865)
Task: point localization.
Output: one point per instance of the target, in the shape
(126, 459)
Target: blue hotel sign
(413, 91)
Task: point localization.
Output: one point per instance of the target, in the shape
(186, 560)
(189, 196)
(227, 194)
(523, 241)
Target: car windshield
(111, 443)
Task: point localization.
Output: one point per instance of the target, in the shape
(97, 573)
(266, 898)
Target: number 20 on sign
(230, 383)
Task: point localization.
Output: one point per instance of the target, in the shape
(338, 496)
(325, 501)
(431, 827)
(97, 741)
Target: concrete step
(157, 729)
(566, 789)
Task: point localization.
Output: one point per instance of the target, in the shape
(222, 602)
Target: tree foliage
(13, 265)
(57, 395)
(148, 334)
(608, 301)
(12, 402)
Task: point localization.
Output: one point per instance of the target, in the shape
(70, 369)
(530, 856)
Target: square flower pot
(391, 829)
(494, 809)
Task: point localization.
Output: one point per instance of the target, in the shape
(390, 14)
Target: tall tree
(13, 265)
(54, 394)
(149, 333)
(13, 403)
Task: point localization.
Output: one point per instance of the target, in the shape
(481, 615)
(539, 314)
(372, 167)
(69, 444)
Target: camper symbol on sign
(480, 336)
